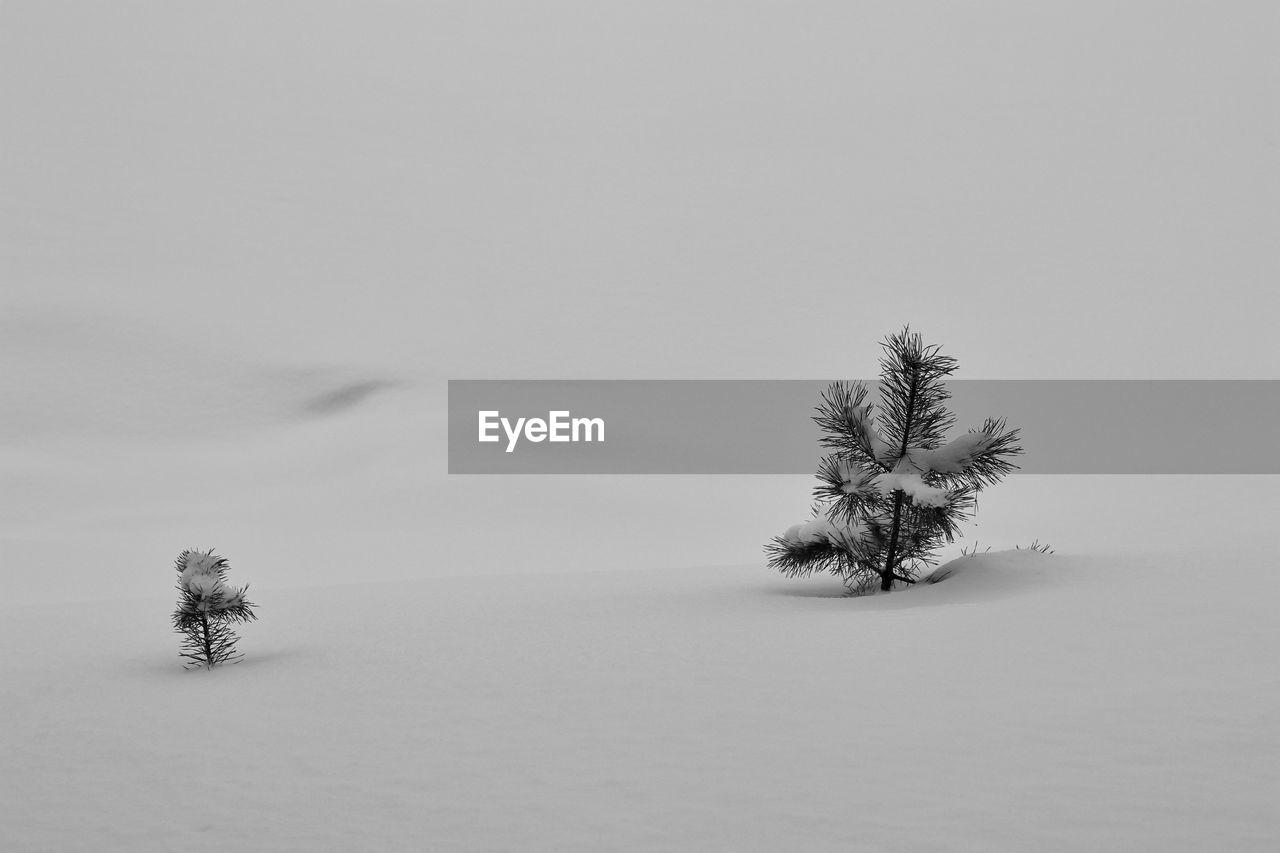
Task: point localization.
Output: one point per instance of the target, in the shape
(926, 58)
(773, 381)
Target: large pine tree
(891, 491)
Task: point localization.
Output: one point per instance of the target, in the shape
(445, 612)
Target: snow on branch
(908, 481)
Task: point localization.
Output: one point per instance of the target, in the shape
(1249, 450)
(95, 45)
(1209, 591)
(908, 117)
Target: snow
(815, 530)
(201, 572)
(201, 583)
(199, 563)
(241, 262)
(824, 527)
(953, 457)
(904, 478)
(433, 667)
(855, 479)
(1029, 702)
(879, 448)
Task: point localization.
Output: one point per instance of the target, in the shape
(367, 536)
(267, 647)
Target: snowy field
(245, 245)
(521, 663)
(1028, 702)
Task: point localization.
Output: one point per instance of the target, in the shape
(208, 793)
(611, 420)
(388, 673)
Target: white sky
(747, 190)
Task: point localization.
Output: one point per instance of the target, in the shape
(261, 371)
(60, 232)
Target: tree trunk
(886, 577)
(204, 636)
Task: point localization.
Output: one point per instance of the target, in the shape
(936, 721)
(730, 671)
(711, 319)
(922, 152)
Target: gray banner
(766, 426)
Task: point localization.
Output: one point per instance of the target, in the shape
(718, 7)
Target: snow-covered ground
(1028, 702)
(243, 246)
(521, 663)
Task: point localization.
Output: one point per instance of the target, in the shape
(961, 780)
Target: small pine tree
(891, 492)
(207, 608)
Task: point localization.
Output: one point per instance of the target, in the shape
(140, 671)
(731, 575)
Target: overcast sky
(666, 190)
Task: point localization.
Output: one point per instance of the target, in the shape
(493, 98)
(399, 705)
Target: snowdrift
(1030, 701)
